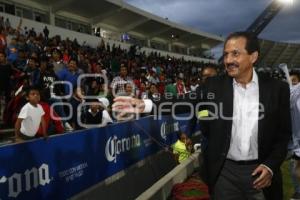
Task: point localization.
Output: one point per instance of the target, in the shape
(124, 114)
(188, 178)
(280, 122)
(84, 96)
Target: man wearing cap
(97, 115)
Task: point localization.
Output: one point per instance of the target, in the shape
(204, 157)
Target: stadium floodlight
(289, 2)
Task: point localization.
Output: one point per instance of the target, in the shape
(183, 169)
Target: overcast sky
(224, 16)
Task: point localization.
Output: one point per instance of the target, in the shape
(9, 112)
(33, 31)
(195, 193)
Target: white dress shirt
(243, 144)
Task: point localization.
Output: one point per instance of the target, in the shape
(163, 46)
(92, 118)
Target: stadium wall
(65, 165)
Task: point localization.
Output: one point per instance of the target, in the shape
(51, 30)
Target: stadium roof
(118, 16)
(274, 53)
(124, 18)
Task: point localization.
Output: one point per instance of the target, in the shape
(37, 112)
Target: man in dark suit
(248, 133)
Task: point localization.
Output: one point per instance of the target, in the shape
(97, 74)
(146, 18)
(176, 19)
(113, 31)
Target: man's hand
(264, 179)
(128, 105)
(18, 140)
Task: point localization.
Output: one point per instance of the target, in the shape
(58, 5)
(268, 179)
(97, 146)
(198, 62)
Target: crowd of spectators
(28, 58)
(31, 59)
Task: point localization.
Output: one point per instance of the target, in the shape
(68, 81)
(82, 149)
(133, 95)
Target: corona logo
(115, 146)
(166, 129)
(19, 182)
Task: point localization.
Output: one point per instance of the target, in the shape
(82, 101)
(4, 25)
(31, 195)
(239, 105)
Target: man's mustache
(232, 65)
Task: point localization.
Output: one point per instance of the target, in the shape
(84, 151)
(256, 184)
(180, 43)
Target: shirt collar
(253, 80)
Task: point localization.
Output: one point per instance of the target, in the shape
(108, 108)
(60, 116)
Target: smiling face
(238, 62)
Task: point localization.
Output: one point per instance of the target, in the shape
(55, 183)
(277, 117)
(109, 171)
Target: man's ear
(254, 57)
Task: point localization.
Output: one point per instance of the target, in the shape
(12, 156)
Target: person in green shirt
(182, 148)
(171, 88)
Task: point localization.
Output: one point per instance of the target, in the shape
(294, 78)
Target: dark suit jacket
(274, 129)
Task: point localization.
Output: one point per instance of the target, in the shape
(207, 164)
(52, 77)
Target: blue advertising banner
(64, 165)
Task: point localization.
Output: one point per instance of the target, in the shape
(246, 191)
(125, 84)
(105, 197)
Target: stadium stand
(274, 53)
(30, 56)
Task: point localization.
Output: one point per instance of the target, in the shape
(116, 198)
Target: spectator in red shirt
(52, 121)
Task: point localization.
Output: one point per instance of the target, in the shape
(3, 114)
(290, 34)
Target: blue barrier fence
(65, 165)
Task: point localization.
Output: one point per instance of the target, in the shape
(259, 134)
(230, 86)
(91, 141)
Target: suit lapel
(227, 101)
(264, 101)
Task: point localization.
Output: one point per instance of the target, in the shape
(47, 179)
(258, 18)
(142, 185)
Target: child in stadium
(30, 117)
(182, 149)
